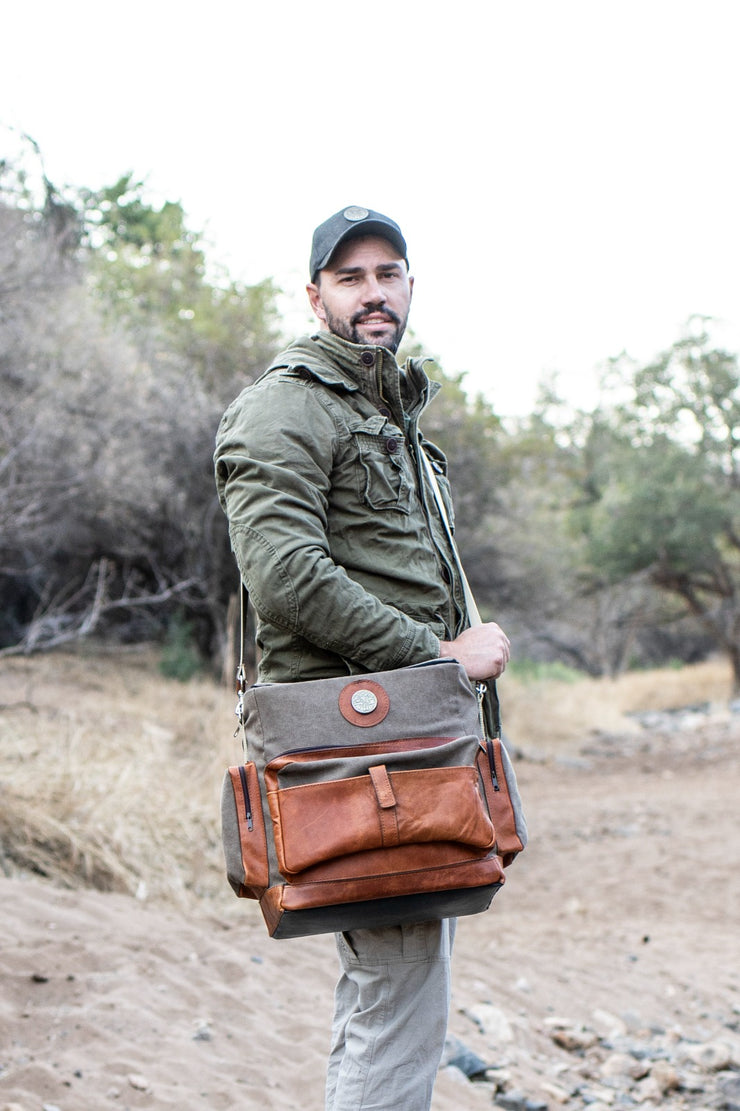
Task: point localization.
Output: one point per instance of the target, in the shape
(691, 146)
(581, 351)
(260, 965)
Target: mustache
(368, 310)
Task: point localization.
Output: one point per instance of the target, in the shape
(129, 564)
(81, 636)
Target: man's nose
(373, 292)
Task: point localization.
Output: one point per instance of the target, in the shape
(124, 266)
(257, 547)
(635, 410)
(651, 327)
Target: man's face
(364, 293)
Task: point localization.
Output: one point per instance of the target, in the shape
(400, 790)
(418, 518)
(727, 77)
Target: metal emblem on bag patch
(364, 701)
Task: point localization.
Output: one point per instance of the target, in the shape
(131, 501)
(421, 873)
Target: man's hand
(483, 650)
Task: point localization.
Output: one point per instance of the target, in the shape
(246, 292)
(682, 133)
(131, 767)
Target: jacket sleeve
(274, 455)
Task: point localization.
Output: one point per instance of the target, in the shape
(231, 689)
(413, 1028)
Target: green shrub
(180, 658)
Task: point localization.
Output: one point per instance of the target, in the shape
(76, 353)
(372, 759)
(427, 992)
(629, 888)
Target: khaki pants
(390, 1017)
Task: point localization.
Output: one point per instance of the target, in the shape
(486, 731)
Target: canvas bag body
(400, 810)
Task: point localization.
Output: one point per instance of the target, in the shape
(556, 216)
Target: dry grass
(553, 715)
(110, 775)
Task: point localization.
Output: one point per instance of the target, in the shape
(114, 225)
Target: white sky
(566, 174)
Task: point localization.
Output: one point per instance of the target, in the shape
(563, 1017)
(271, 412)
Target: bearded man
(350, 569)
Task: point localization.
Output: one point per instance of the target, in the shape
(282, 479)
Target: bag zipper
(492, 764)
(247, 803)
(481, 689)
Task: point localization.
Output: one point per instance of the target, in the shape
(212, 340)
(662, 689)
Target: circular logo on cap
(355, 213)
(364, 701)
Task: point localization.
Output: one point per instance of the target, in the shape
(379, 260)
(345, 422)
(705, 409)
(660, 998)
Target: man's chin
(379, 337)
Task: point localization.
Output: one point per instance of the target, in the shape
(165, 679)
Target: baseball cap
(348, 224)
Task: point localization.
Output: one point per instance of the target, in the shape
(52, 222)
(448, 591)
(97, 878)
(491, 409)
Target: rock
(632, 1021)
(453, 1072)
(692, 1082)
(730, 1090)
(648, 1089)
(518, 1101)
(609, 1025)
(139, 1082)
(457, 1055)
(574, 1038)
(665, 1076)
(711, 1056)
(556, 1091)
(596, 1094)
(620, 1065)
(491, 1021)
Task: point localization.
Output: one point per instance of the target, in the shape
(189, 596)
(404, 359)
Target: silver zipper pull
(480, 690)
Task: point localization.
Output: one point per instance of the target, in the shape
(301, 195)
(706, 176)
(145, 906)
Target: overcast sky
(566, 174)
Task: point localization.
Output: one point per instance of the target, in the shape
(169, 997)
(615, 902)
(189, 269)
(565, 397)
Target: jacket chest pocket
(384, 476)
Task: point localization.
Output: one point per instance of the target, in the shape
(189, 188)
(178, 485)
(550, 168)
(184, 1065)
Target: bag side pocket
(495, 774)
(243, 832)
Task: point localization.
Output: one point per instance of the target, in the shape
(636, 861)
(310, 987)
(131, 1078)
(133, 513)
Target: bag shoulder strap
(474, 616)
(489, 705)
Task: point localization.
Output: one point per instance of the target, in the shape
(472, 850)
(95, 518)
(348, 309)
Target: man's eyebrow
(362, 269)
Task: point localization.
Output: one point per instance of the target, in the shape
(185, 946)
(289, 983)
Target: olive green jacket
(334, 527)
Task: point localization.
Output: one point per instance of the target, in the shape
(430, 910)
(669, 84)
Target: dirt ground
(618, 930)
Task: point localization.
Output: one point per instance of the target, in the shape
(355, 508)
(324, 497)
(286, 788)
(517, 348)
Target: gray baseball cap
(348, 224)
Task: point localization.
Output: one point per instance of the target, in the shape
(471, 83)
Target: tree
(667, 501)
(151, 270)
(110, 522)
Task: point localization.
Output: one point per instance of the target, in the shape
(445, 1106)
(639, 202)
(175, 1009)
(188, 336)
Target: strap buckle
(241, 687)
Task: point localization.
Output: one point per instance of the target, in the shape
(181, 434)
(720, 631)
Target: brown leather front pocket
(322, 821)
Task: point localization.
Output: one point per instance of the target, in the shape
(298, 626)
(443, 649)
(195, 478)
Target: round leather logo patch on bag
(364, 702)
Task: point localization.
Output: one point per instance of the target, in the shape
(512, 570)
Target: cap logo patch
(354, 212)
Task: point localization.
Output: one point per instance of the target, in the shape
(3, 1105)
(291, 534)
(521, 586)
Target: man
(349, 567)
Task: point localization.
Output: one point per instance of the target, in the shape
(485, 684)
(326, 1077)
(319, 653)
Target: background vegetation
(602, 539)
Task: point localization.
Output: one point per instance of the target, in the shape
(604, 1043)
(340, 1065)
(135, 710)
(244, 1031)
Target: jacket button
(367, 358)
(384, 410)
(391, 445)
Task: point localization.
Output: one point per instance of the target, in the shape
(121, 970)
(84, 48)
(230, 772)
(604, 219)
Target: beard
(350, 329)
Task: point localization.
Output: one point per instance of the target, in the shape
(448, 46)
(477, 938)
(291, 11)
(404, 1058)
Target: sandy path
(624, 909)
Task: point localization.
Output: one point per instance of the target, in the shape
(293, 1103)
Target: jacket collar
(340, 364)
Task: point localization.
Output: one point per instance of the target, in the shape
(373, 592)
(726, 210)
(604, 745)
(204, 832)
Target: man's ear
(314, 296)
